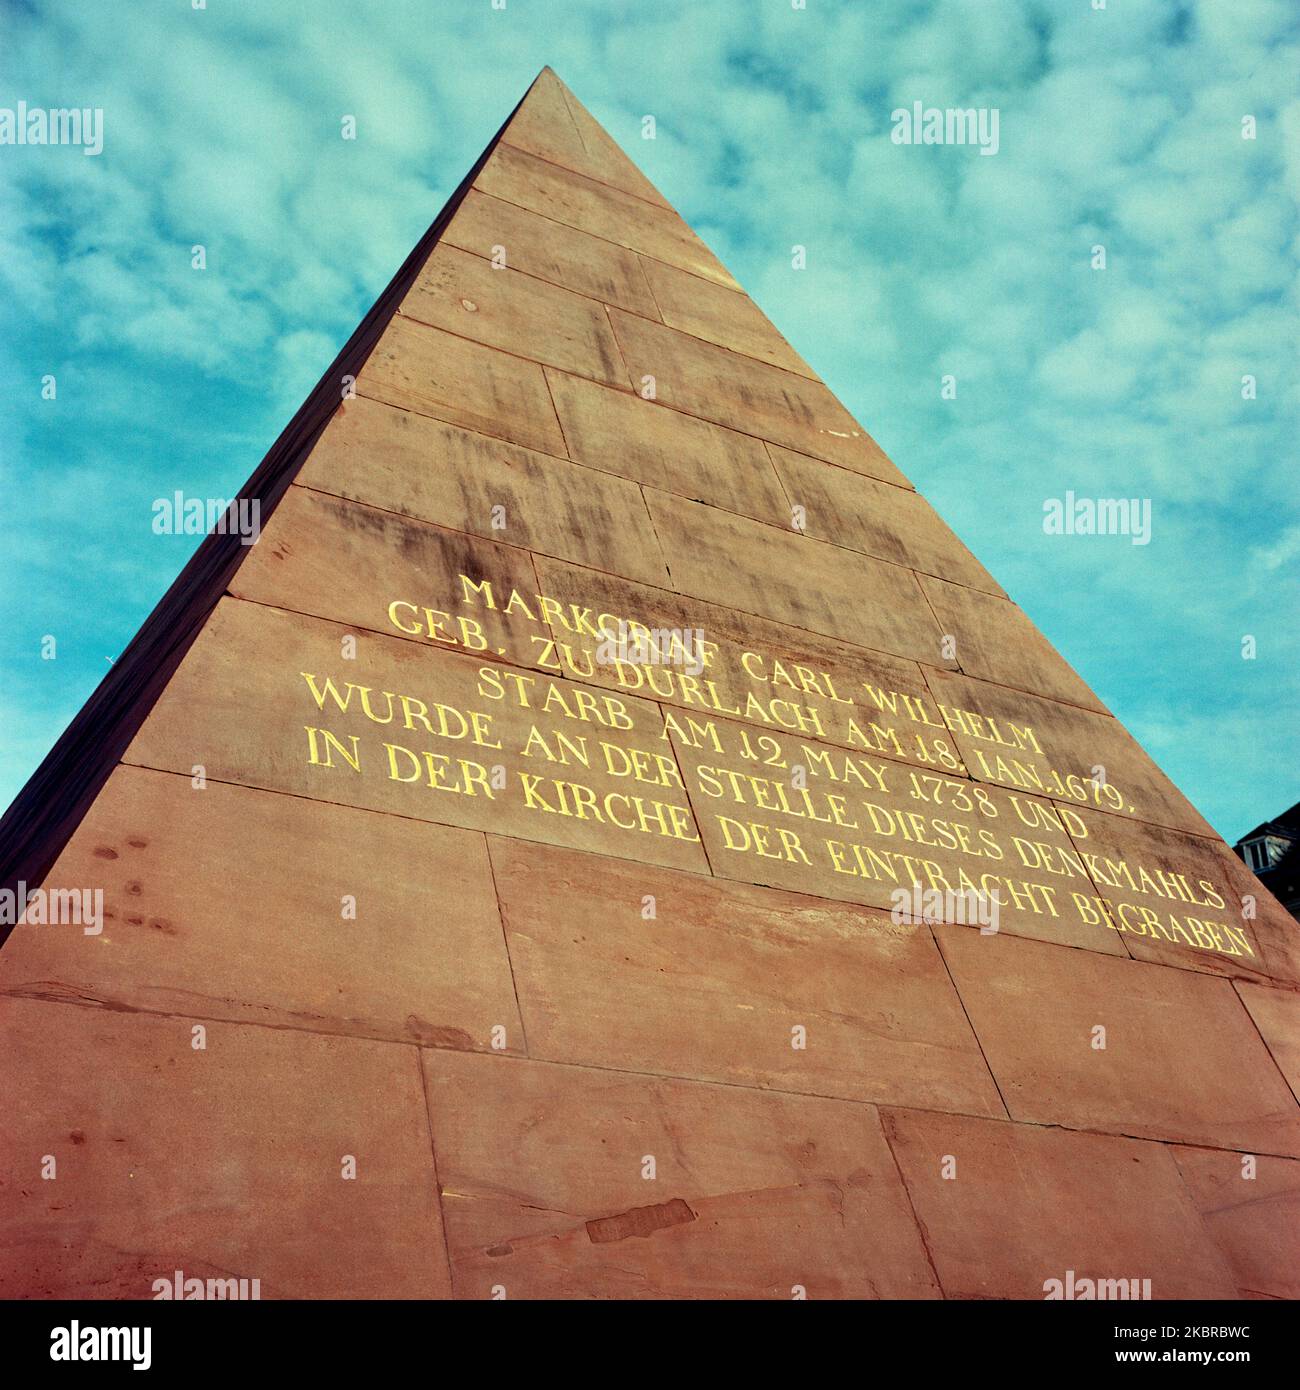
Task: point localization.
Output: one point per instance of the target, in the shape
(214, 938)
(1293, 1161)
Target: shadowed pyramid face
(609, 837)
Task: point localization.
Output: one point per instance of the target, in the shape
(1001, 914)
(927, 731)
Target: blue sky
(1120, 127)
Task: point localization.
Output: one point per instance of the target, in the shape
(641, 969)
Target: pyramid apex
(548, 78)
(553, 124)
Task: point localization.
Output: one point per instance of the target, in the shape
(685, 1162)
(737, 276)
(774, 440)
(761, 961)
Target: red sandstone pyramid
(461, 938)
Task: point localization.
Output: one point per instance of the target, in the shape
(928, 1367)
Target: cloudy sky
(1120, 127)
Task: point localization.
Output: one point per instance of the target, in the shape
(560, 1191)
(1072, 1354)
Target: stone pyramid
(609, 839)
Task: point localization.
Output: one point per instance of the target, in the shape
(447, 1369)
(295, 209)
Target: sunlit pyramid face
(582, 825)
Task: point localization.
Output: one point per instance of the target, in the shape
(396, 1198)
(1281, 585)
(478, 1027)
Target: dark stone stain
(640, 1221)
(136, 842)
(103, 852)
(498, 1250)
(77, 1136)
(438, 1035)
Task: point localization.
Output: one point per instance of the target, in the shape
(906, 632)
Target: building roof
(1287, 825)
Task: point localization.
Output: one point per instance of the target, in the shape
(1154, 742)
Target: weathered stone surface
(1093, 1042)
(597, 209)
(994, 641)
(754, 1193)
(1276, 1013)
(238, 905)
(1007, 1207)
(451, 378)
(719, 315)
(777, 574)
(504, 308)
(514, 237)
(351, 563)
(715, 384)
(1251, 1208)
(763, 989)
(435, 472)
(891, 523)
(665, 449)
(605, 160)
(551, 124)
(224, 1162)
